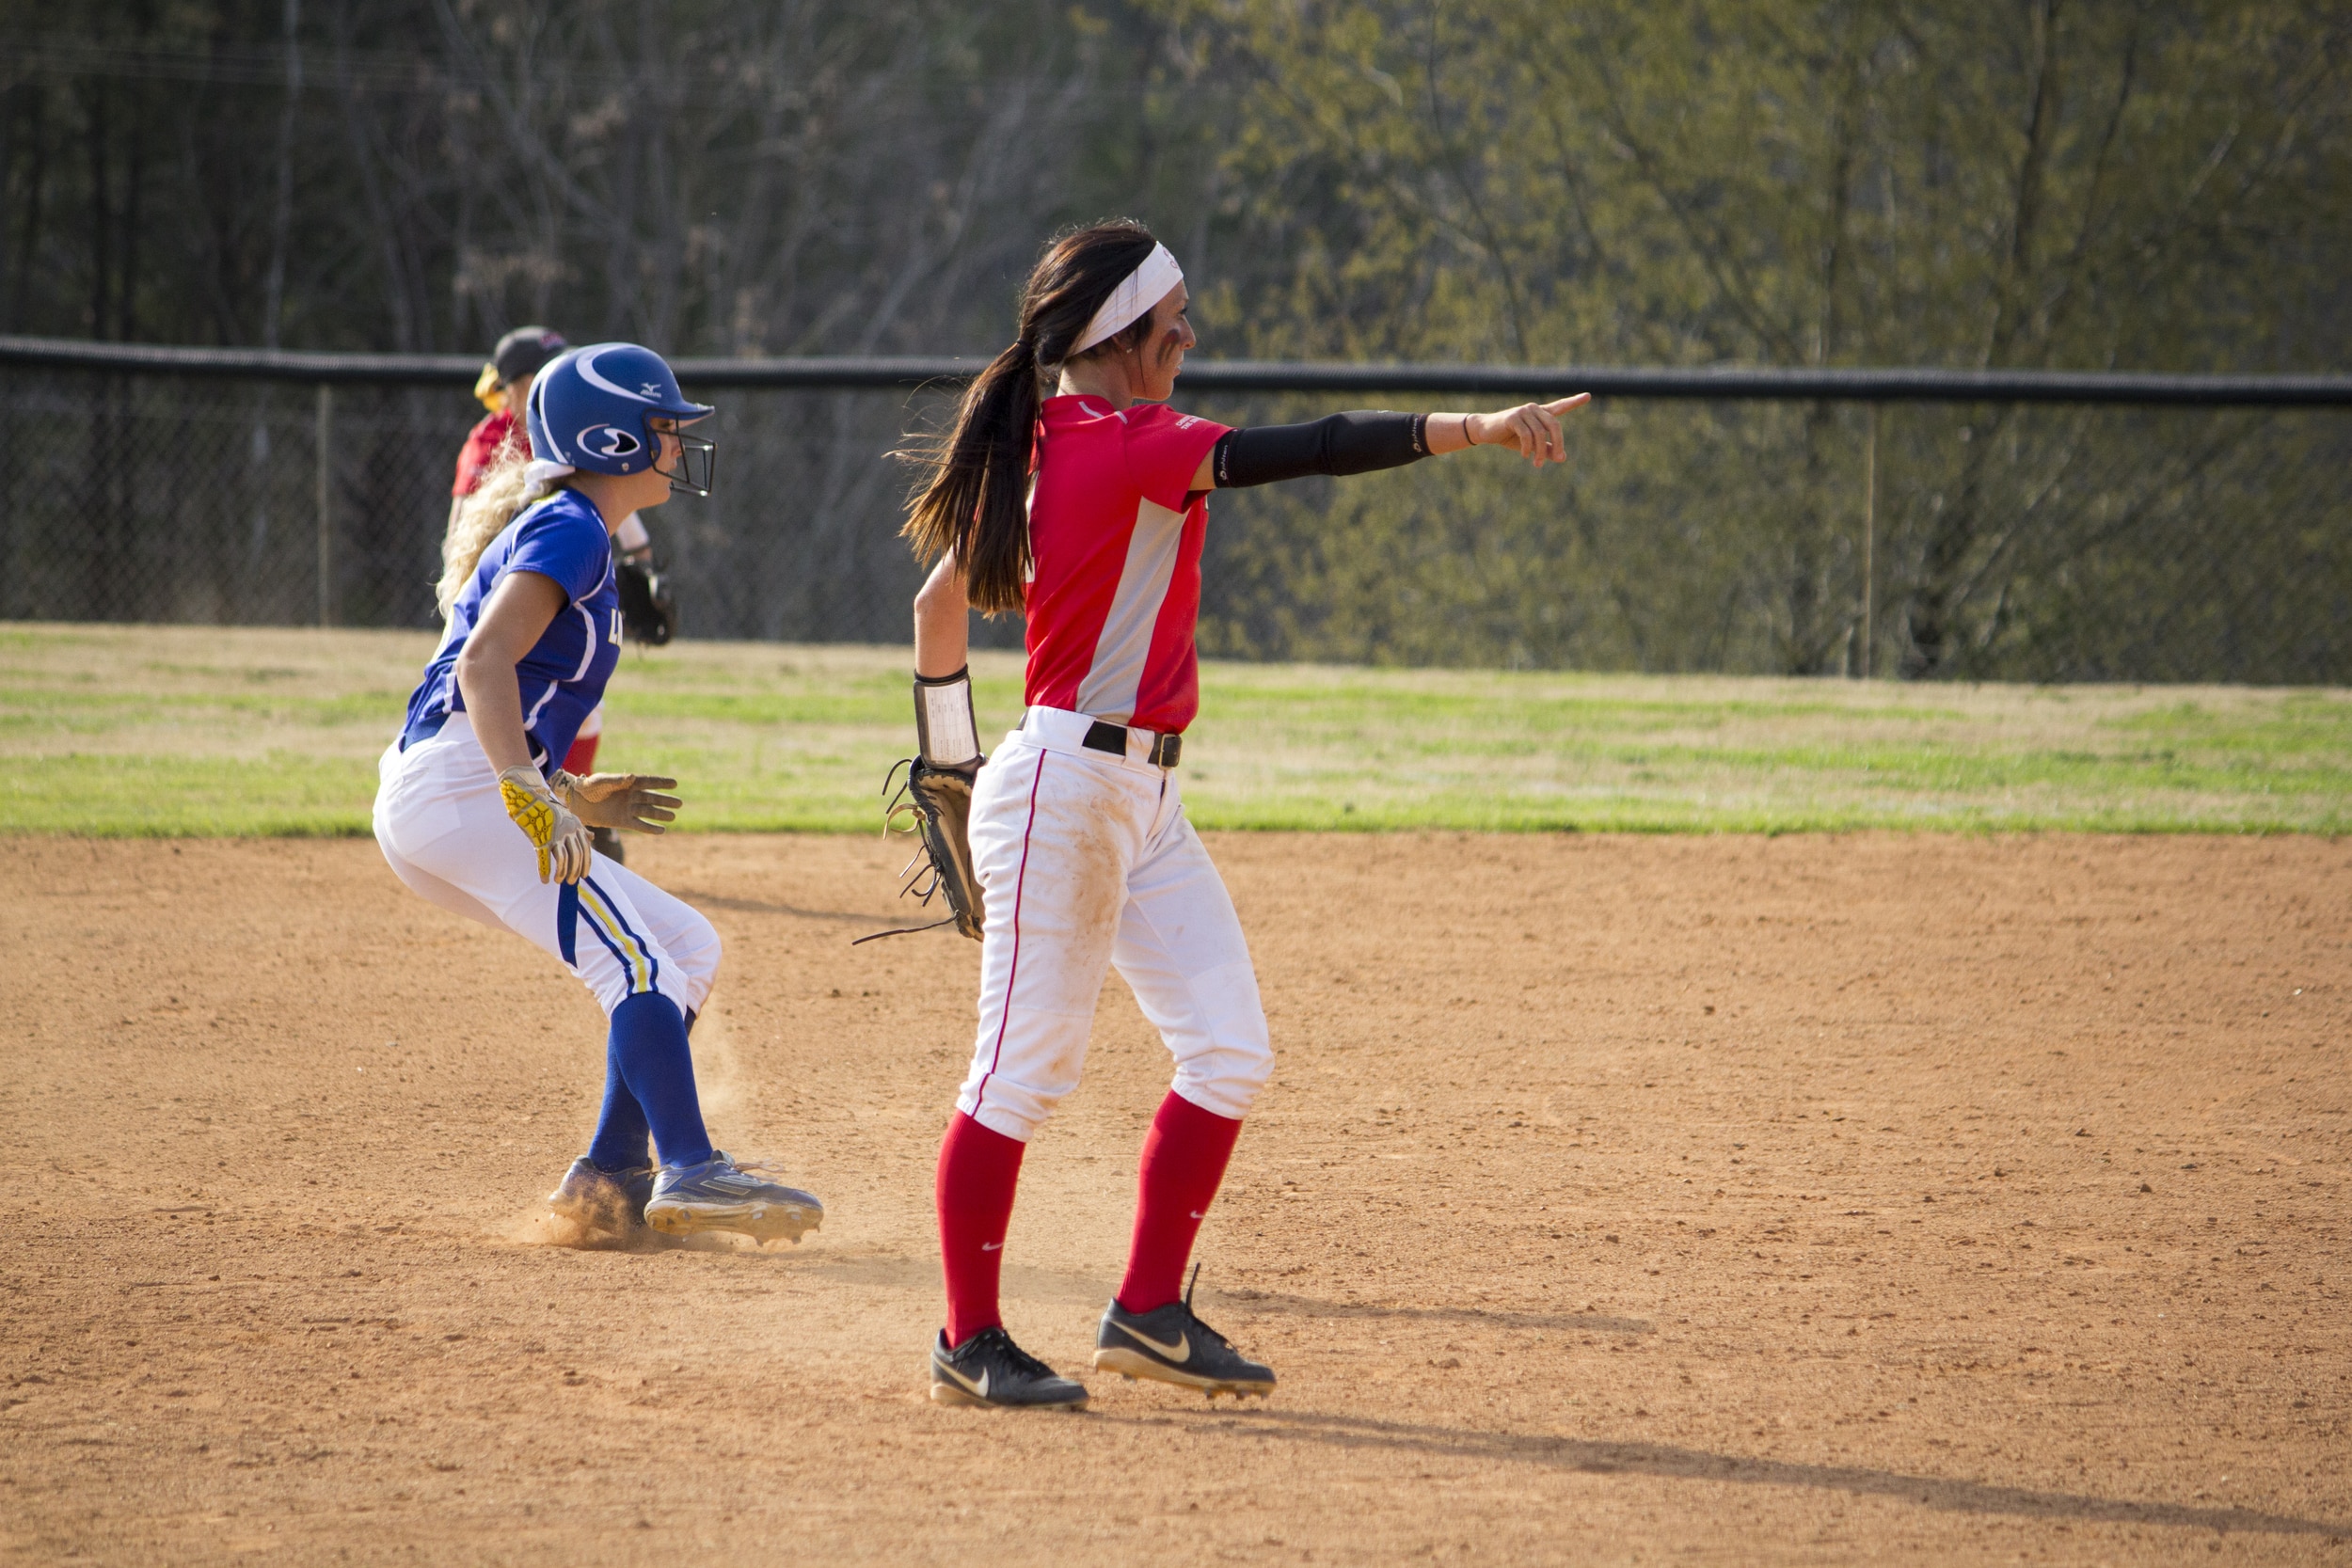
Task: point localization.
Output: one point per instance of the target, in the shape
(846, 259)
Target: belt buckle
(1167, 748)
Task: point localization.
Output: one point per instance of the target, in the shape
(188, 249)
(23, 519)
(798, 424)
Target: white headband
(1137, 293)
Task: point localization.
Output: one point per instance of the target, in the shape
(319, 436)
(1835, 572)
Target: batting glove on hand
(631, 800)
(552, 829)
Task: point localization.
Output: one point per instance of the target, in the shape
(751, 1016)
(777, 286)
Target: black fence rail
(1722, 383)
(2021, 524)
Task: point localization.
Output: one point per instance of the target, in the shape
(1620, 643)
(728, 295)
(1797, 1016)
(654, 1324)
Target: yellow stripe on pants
(632, 954)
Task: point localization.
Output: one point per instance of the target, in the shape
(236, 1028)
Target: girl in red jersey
(1085, 510)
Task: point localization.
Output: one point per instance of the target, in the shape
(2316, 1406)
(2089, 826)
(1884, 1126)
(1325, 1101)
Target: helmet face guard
(697, 457)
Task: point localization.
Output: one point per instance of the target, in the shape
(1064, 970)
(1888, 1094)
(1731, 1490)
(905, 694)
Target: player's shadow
(1038, 1284)
(889, 1269)
(754, 906)
(1590, 1457)
(1245, 1299)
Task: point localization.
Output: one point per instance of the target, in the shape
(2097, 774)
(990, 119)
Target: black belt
(1106, 737)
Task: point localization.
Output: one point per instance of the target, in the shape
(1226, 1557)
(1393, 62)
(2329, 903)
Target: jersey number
(614, 636)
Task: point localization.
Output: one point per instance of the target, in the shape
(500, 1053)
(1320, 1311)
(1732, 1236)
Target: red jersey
(1115, 535)
(481, 449)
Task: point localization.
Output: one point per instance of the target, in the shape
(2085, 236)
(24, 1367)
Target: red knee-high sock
(1184, 1160)
(978, 1172)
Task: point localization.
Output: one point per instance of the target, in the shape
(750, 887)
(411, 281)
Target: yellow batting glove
(554, 831)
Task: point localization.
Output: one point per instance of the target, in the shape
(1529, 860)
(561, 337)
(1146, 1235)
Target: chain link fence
(1976, 540)
(144, 497)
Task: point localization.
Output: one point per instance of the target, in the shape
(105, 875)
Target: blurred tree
(1785, 181)
(421, 174)
(2146, 183)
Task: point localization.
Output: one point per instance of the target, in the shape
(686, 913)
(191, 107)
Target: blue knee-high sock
(656, 1066)
(621, 1130)
(622, 1133)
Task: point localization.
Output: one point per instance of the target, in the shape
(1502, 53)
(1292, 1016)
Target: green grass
(176, 730)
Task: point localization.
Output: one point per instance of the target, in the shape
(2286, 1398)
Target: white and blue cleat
(719, 1196)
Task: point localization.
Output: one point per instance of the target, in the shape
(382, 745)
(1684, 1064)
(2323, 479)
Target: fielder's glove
(631, 800)
(940, 800)
(648, 606)
(552, 827)
(938, 794)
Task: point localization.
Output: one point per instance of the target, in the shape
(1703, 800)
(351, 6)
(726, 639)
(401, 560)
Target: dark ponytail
(973, 501)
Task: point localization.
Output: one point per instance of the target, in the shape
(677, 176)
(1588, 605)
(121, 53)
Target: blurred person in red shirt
(504, 386)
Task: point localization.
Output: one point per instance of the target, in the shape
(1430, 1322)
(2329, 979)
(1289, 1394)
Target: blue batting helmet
(591, 409)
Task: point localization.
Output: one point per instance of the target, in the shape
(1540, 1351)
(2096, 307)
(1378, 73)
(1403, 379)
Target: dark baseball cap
(524, 351)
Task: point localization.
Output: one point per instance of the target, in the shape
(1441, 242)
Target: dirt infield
(1743, 1200)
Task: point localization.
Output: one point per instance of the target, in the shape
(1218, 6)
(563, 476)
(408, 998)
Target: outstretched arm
(1532, 430)
(1363, 442)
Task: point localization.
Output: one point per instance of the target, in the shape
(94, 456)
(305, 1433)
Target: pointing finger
(1578, 401)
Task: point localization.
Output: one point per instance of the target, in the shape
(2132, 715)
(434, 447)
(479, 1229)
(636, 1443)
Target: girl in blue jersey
(475, 814)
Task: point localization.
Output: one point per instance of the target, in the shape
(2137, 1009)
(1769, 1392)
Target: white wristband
(947, 734)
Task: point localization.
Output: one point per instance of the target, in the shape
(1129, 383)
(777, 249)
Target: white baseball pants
(442, 824)
(1086, 860)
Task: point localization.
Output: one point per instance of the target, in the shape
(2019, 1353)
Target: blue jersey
(562, 679)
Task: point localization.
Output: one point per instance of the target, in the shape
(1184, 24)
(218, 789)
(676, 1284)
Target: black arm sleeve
(1353, 443)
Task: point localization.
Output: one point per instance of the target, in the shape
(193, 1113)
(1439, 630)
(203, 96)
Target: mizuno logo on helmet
(586, 365)
(608, 440)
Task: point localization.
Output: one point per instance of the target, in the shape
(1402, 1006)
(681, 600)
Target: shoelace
(758, 1170)
(1194, 1316)
(1021, 1361)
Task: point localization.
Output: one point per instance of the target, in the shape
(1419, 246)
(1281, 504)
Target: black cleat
(1171, 1344)
(989, 1369)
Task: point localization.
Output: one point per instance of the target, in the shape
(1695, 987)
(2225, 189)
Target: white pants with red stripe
(1086, 860)
(442, 824)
